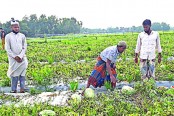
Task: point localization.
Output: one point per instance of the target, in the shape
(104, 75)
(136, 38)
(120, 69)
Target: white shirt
(147, 45)
(15, 45)
(110, 53)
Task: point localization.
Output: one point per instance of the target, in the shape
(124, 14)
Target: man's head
(147, 25)
(15, 26)
(121, 46)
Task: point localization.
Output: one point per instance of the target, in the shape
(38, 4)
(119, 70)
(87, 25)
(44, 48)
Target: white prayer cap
(14, 22)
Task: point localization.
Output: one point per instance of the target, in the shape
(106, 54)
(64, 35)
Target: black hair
(121, 46)
(147, 22)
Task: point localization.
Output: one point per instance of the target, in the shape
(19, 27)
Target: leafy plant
(108, 85)
(34, 91)
(5, 82)
(74, 85)
(50, 59)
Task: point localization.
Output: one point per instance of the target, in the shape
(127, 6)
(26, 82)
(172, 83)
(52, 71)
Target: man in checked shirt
(147, 44)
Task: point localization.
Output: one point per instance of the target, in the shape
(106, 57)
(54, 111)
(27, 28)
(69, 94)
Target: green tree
(156, 26)
(165, 27)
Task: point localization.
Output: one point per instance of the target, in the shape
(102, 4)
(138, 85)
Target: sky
(93, 13)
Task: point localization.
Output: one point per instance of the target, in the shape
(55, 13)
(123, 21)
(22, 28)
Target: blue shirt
(110, 53)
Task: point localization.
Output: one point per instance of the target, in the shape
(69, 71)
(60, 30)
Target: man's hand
(159, 58)
(113, 79)
(18, 59)
(136, 58)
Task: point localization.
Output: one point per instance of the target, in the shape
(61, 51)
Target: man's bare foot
(22, 91)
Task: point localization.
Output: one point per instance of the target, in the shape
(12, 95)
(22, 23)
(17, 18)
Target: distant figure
(16, 47)
(104, 69)
(2, 37)
(147, 43)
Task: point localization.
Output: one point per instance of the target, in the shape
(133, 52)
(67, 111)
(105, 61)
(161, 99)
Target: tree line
(155, 26)
(32, 26)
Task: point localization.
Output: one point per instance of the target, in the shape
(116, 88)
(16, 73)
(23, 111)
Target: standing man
(2, 37)
(16, 46)
(147, 43)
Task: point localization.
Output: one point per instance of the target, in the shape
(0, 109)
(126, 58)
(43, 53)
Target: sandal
(13, 91)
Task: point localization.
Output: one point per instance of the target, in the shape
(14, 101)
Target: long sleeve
(24, 48)
(8, 48)
(158, 45)
(138, 45)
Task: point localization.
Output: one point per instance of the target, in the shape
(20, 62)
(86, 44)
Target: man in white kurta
(147, 44)
(15, 45)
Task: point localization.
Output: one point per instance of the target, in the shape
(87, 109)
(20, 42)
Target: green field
(56, 59)
(58, 56)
